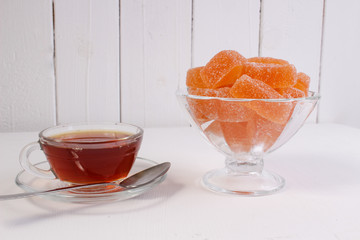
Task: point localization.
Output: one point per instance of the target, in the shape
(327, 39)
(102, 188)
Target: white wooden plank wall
(87, 60)
(132, 62)
(340, 78)
(27, 85)
(122, 60)
(219, 25)
(156, 52)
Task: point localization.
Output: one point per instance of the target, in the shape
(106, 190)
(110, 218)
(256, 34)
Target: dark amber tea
(90, 156)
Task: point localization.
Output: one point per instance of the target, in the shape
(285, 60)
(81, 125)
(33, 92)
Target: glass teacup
(82, 153)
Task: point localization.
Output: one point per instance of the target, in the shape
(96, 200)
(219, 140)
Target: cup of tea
(82, 153)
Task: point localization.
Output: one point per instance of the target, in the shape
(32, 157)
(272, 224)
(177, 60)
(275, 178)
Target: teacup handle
(28, 166)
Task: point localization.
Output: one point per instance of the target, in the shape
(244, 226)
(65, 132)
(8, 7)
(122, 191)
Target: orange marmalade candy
(246, 87)
(216, 109)
(302, 82)
(263, 132)
(231, 111)
(213, 131)
(236, 135)
(220, 92)
(291, 92)
(206, 107)
(193, 78)
(223, 69)
(277, 73)
(198, 117)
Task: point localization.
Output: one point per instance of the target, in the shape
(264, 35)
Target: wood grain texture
(157, 42)
(132, 62)
(340, 80)
(27, 98)
(87, 60)
(220, 25)
(155, 54)
(292, 30)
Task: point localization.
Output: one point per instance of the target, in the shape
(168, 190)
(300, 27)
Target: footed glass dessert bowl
(244, 131)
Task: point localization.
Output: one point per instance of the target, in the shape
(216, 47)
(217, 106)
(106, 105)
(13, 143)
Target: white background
(122, 60)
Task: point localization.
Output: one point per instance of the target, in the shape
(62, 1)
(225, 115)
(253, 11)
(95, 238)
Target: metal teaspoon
(137, 180)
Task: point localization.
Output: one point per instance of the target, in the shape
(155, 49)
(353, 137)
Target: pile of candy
(246, 123)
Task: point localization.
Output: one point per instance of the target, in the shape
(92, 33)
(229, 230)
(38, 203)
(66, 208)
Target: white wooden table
(321, 165)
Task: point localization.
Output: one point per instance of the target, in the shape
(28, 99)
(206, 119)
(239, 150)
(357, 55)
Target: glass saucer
(32, 183)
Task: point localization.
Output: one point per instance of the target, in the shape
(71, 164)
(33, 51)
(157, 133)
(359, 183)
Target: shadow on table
(150, 199)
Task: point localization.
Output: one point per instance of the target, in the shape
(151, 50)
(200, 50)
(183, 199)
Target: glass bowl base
(243, 184)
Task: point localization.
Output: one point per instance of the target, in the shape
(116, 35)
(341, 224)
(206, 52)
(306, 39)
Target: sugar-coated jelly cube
(263, 132)
(223, 69)
(302, 82)
(231, 111)
(219, 109)
(236, 135)
(291, 92)
(213, 132)
(247, 87)
(277, 73)
(250, 88)
(193, 78)
(198, 117)
(268, 60)
(207, 107)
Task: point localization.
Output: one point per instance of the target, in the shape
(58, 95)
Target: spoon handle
(31, 194)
